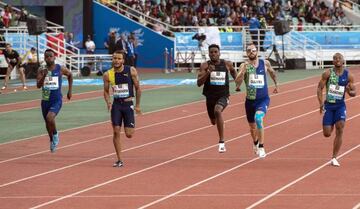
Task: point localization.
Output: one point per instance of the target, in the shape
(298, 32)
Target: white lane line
(231, 169)
(299, 179)
(133, 148)
(167, 108)
(184, 156)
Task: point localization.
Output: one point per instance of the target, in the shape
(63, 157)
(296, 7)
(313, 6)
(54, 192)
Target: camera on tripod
(199, 37)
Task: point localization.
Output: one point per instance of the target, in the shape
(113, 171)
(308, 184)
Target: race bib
(51, 82)
(217, 78)
(256, 81)
(336, 92)
(121, 90)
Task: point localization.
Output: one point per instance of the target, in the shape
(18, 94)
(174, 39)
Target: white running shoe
(3, 88)
(261, 152)
(334, 162)
(222, 147)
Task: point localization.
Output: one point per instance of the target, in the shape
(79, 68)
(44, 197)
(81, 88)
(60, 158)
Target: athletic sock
(261, 145)
(256, 142)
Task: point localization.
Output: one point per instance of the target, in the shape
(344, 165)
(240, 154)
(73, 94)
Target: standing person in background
(337, 81)
(257, 101)
(123, 80)
(50, 80)
(214, 75)
(110, 42)
(90, 45)
(29, 62)
(13, 60)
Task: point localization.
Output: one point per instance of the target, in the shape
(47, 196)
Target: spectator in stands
(254, 26)
(89, 45)
(110, 42)
(13, 60)
(6, 15)
(23, 17)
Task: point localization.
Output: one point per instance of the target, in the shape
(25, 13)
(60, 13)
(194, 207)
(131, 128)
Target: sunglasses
(251, 50)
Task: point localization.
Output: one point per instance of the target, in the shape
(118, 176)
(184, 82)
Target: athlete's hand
(211, 68)
(321, 109)
(138, 110)
(109, 105)
(237, 88)
(276, 90)
(69, 95)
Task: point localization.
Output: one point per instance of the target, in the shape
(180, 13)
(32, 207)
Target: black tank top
(217, 84)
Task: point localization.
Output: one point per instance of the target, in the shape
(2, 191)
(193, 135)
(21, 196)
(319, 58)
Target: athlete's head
(118, 59)
(214, 52)
(49, 56)
(338, 60)
(251, 51)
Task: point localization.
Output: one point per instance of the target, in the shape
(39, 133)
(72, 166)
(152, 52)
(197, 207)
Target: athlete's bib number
(121, 90)
(51, 82)
(256, 81)
(217, 78)
(336, 92)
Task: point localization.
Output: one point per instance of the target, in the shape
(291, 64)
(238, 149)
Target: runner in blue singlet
(337, 81)
(257, 101)
(50, 80)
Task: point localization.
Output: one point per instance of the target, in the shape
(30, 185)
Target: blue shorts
(334, 113)
(50, 106)
(123, 111)
(211, 102)
(251, 106)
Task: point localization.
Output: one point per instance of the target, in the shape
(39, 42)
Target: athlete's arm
(324, 77)
(203, 73)
(40, 77)
(106, 90)
(272, 75)
(350, 88)
(135, 78)
(240, 76)
(68, 74)
(231, 69)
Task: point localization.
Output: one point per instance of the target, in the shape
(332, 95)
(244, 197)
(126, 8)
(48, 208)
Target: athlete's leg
(22, 76)
(8, 72)
(219, 121)
(210, 106)
(338, 137)
(116, 141)
(259, 121)
(50, 124)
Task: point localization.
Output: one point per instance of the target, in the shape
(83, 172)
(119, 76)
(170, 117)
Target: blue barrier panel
(229, 41)
(335, 39)
(151, 44)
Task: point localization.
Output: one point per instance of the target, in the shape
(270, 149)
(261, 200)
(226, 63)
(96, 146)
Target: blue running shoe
(56, 139)
(54, 142)
(52, 147)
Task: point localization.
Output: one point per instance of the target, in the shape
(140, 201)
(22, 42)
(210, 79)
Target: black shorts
(123, 111)
(211, 102)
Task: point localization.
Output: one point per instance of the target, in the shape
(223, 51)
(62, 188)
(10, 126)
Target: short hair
(7, 44)
(120, 52)
(33, 49)
(49, 50)
(214, 46)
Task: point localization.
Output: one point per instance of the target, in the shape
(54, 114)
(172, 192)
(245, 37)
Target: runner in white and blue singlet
(257, 101)
(337, 81)
(50, 80)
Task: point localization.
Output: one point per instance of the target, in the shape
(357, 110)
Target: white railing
(51, 26)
